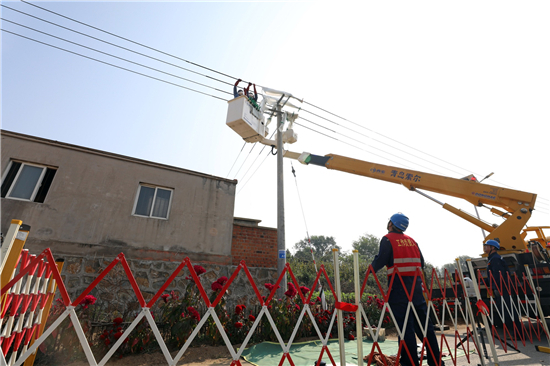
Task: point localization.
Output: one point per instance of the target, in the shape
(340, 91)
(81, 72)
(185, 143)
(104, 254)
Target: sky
(450, 88)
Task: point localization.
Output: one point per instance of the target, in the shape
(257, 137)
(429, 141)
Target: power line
(401, 143)
(113, 44)
(389, 138)
(543, 204)
(263, 148)
(383, 143)
(385, 152)
(245, 159)
(244, 184)
(303, 214)
(334, 138)
(129, 40)
(242, 148)
(117, 57)
(118, 67)
(201, 66)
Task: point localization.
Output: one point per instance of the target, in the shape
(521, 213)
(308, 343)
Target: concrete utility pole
(281, 250)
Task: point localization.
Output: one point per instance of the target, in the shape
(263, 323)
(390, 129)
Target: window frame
(154, 200)
(19, 171)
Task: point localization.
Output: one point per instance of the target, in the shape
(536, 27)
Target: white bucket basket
(246, 120)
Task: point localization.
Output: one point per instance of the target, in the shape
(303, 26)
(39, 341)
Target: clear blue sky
(464, 82)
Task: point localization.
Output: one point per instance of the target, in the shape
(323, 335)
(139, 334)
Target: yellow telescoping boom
(517, 205)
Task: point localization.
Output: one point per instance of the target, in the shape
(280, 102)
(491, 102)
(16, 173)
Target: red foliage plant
(291, 292)
(239, 309)
(194, 313)
(218, 285)
(87, 301)
(199, 269)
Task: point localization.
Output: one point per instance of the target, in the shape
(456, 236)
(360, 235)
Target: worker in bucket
(238, 93)
(401, 254)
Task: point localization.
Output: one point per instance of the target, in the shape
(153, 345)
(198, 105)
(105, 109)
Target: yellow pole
(11, 250)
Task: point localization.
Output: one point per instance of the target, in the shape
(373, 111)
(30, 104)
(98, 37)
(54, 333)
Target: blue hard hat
(400, 221)
(493, 243)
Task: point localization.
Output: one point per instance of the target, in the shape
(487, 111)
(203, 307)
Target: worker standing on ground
(398, 250)
(495, 264)
(497, 270)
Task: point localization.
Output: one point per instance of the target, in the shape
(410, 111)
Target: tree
(429, 270)
(367, 245)
(450, 267)
(322, 246)
(301, 261)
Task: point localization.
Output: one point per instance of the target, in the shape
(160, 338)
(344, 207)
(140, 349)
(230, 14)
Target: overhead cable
(118, 67)
(242, 148)
(244, 184)
(197, 65)
(245, 159)
(120, 58)
(334, 138)
(114, 45)
(303, 214)
(129, 40)
(263, 148)
(383, 143)
(385, 152)
(389, 138)
(399, 142)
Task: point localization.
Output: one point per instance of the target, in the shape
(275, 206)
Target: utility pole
(281, 250)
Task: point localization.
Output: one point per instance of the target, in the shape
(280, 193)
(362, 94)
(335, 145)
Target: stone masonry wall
(115, 293)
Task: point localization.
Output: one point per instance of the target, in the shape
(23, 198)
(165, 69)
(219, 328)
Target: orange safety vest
(406, 255)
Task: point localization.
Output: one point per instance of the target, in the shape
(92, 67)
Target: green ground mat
(306, 353)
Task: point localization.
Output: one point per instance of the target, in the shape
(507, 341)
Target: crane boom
(517, 205)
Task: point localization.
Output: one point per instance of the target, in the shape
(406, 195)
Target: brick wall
(255, 244)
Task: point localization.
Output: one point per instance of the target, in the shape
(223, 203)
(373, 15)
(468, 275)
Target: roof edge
(110, 155)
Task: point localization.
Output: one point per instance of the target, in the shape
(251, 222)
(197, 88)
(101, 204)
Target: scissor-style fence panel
(512, 300)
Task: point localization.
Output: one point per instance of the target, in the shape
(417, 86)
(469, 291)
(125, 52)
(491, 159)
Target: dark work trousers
(509, 320)
(398, 301)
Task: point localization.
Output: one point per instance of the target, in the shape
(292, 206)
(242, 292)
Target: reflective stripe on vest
(406, 255)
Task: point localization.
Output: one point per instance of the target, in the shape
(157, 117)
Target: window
(27, 182)
(153, 202)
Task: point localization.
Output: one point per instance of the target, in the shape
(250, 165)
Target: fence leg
(339, 311)
(485, 322)
(537, 300)
(358, 320)
(470, 312)
(81, 336)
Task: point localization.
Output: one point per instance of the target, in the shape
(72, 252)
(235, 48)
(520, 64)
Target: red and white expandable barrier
(25, 300)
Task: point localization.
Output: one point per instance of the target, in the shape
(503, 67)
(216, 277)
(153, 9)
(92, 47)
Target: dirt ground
(194, 356)
(206, 355)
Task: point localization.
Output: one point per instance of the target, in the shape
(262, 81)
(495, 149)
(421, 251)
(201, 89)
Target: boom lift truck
(514, 206)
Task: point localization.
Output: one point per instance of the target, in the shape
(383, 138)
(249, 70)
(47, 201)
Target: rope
(321, 291)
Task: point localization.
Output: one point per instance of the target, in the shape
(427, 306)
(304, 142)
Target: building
(88, 206)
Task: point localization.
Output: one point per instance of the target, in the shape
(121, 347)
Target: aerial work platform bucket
(245, 119)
